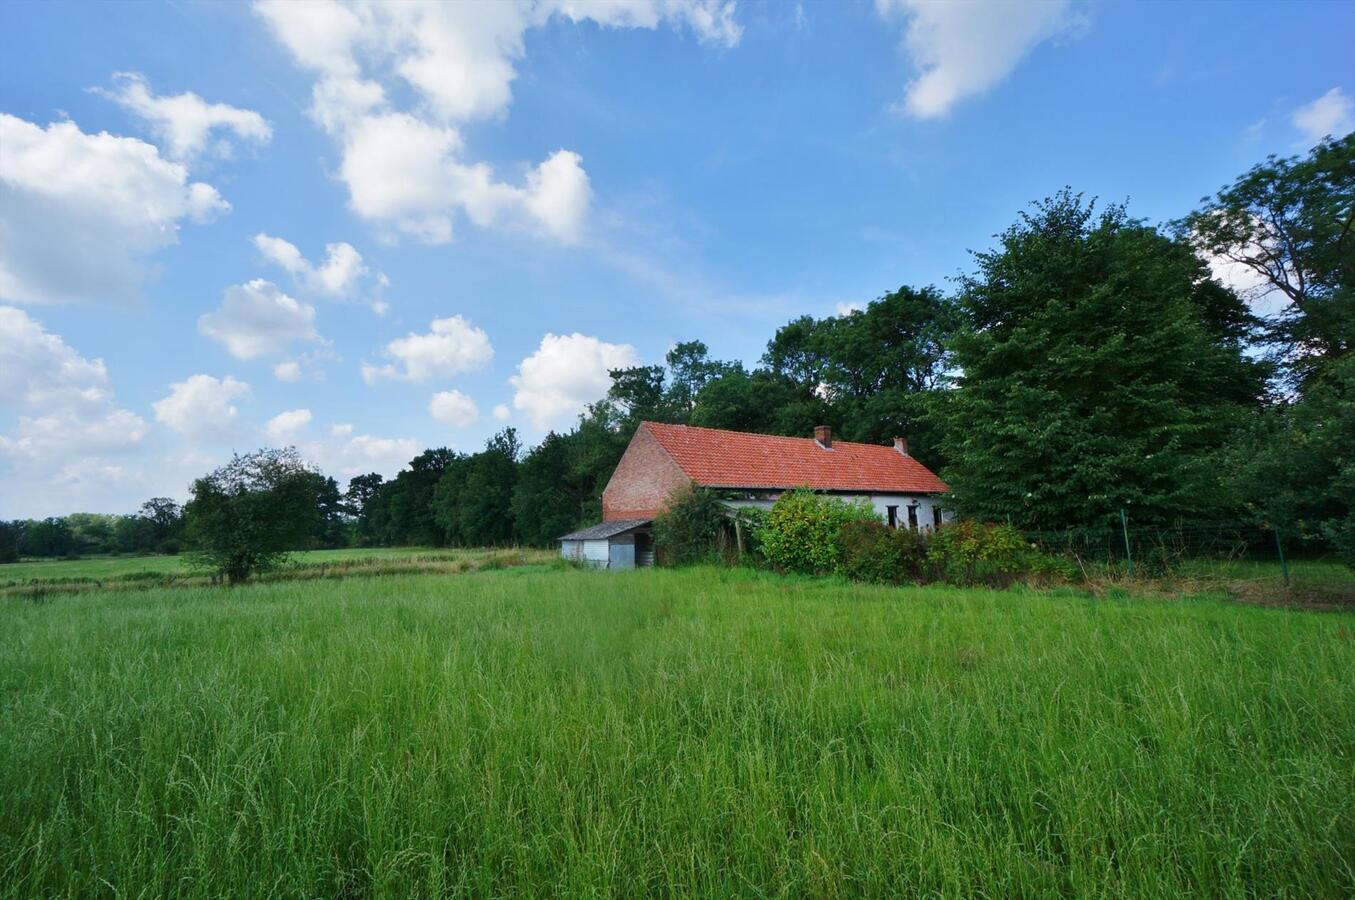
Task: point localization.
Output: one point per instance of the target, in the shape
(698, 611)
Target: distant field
(111, 567)
(696, 732)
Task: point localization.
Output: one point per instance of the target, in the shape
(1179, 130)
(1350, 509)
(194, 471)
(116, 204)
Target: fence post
(1279, 548)
(1128, 554)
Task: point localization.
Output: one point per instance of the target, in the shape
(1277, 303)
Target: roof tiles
(734, 459)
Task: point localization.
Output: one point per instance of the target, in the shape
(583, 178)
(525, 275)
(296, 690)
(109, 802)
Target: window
(912, 517)
(936, 517)
(893, 516)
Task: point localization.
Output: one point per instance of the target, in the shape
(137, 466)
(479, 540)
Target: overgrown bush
(688, 528)
(802, 531)
(978, 553)
(872, 552)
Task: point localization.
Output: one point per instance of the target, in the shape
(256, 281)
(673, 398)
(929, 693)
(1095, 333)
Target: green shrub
(977, 553)
(801, 533)
(870, 551)
(688, 529)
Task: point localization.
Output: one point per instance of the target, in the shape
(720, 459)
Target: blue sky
(366, 230)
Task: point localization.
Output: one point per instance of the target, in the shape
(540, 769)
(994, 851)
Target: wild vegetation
(694, 731)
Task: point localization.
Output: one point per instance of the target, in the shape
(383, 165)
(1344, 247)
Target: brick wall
(643, 480)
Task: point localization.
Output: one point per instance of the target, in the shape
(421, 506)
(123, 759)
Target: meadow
(535, 730)
(39, 576)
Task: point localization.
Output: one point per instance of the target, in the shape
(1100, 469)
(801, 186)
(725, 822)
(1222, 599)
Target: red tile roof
(715, 458)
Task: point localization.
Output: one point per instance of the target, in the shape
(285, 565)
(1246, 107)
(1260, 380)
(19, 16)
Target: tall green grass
(662, 733)
(36, 581)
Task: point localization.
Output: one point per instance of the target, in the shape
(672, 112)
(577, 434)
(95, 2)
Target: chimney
(901, 444)
(824, 435)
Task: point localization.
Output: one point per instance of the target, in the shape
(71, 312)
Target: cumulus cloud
(202, 407)
(451, 346)
(453, 408)
(79, 213)
(285, 426)
(1331, 115)
(403, 167)
(502, 413)
(964, 49)
(566, 373)
(340, 275)
(346, 454)
(67, 415)
(258, 319)
(185, 123)
(851, 308)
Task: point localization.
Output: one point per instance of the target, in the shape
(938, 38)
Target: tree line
(1089, 362)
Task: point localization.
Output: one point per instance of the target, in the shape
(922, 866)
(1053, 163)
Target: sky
(365, 229)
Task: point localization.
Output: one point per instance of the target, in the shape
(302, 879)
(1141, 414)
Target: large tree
(1290, 224)
(1092, 374)
(244, 517)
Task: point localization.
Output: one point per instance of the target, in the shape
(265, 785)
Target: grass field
(112, 567)
(709, 732)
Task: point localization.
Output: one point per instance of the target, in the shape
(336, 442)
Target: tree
(546, 501)
(1091, 377)
(637, 393)
(763, 402)
(1289, 223)
(245, 516)
(11, 534)
(1297, 473)
(885, 363)
(690, 369)
(406, 503)
(47, 537)
(362, 502)
(134, 534)
(166, 518)
(330, 525)
(473, 499)
(93, 533)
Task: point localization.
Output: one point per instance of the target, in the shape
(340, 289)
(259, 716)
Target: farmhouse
(748, 470)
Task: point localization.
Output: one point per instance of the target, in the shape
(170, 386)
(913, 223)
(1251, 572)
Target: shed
(620, 544)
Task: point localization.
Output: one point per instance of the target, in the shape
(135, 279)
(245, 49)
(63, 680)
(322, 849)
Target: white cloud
(453, 408)
(67, 415)
(289, 371)
(963, 49)
(345, 454)
(403, 172)
(847, 309)
(566, 373)
(285, 426)
(257, 319)
(403, 167)
(502, 413)
(340, 275)
(186, 122)
(451, 346)
(79, 213)
(1332, 114)
(202, 406)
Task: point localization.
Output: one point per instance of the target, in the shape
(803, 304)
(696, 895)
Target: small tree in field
(245, 516)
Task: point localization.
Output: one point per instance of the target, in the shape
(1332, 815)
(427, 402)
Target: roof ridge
(760, 434)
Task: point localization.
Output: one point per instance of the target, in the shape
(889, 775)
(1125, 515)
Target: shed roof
(712, 457)
(605, 530)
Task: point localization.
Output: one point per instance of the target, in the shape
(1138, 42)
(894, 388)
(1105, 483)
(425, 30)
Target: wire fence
(1148, 550)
